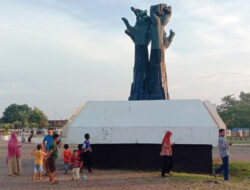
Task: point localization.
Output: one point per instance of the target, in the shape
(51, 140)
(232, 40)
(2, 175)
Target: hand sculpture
(140, 33)
(150, 77)
(156, 79)
(140, 14)
(160, 15)
(168, 40)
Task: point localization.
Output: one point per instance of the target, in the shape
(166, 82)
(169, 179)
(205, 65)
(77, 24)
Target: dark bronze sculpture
(150, 79)
(140, 34)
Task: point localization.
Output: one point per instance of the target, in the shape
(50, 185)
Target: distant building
(57, 123)
(228, 133)
(245, 132)
(240, 132)
(234, 132)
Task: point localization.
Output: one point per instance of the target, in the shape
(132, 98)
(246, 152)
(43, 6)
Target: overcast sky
(55, 54)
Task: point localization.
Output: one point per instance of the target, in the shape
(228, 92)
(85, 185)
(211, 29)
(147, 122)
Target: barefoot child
(67, 157)
(76, 164)
(38, 155)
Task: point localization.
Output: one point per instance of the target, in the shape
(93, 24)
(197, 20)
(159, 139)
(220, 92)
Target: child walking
(87, 152)
(38, 155)
(81, 155)
(67, 157)
(76, 164)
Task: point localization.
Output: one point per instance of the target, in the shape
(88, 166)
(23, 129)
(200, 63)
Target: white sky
(55, 54)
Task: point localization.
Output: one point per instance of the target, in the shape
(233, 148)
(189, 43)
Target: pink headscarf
(166, 138)
(13, 148)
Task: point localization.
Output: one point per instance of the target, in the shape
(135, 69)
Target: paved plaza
(106, 179)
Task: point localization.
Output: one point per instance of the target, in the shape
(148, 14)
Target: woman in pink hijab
(13, 157)
(166, 154)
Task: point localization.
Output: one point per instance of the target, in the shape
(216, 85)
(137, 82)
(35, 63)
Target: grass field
(237, 140)
(239, 178)
(238, 170)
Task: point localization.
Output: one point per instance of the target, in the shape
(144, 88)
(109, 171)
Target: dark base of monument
(187, 158)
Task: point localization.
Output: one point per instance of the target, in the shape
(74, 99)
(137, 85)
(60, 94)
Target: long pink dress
(13, 157)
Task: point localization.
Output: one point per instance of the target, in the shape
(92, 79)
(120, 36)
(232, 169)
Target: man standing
(48, 139)
(53, 154)
(223, 148)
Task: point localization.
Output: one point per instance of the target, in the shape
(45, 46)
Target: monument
(128, 134)
(150, 77)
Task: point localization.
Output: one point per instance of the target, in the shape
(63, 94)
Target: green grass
(238, 170)
(239, 178)
(237, 140)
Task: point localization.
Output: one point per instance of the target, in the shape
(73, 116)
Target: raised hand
(129, 27)
(167, 13)
(160, 14)
(168, 40)
(130, 30)
(140, 33)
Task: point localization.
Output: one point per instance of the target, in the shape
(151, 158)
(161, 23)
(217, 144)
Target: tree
(37, 118)
(21, 116)
(16, 114)
(235, 113)
(245, 97)
(5, 128)
(227, 101)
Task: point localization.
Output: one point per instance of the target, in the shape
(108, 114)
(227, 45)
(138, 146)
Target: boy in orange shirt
(38, 155)
(67, 157)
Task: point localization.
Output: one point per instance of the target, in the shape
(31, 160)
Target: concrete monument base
(128, 134)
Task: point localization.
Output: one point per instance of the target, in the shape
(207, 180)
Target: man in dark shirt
(87, 152)
(53, 154)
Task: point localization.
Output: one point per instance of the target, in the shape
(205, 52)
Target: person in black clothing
(31, 136)
(87, 152)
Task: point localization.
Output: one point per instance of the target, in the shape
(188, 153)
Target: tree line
(235, 112)
(22, 116)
